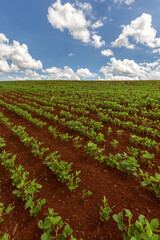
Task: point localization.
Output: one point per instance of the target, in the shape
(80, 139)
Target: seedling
(86, 193)
(5, 237)
(109, 131)
(2, 143)
(76, 142)
(119, 132)
(100, 138)
(114, 143)
(54, 228)
(105, 210)
(141, 229)
(65, 137)
(53, 131)
(4, 211)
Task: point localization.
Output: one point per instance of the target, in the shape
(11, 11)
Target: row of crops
(82, 157)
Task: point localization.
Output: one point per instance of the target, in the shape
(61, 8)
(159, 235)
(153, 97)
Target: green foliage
(76, 142)
(65, 137)
(144, 141)
(63, 170)
(105, 210)
(5, 237)
(54, 228)
(25, 188)
(53, 131)
(2, 143)
(114, 143)
(151, 182)
(86, 193)
(4, 211)
(109, 131)
(119, 132)
(93, 150)
(141, 229)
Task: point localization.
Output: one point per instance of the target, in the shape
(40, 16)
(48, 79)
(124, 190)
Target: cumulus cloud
(130, 70)
(71, 54)
(85, 73)
(97, 24)
(33, 75)
(67, 73)
(125, 68)
(97, 41)
(127, 2)
(86, 7)
(74, 19)
(67, 16)
(141, 31)
(18, 54)
(4, 67)
(156, 51)
(107, 52)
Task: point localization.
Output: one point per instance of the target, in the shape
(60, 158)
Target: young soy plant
(114, 143)
(86, 193)
(109, 131)
(119, 132)
(105, 210)
(54, 228)
(4, 211)
(76, 142)
(2, 143)
(141, 229)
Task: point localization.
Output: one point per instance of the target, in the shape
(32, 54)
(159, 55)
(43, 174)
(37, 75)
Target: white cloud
(67, 16)
(97, 41)
(74, 19)
(127, 2)
(97, 24)
(33, 75)
(67, 73)
(18, 54)
(3, 39)
(107, 52)
(141, 31)
(86, 7)
(156, 51)
(70, 54)
(4, 67)
(130, 70)
(27, 74)
(125, 68)
(85, 73)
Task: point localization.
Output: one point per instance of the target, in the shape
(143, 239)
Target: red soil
(121, 190)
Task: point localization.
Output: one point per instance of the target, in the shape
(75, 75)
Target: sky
(79, 40)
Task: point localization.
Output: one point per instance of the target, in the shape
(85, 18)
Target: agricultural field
(80, 160)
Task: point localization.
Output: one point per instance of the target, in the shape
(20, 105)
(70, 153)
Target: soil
(121, 190)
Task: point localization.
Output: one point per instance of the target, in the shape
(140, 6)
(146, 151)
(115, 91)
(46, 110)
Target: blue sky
(98, 39)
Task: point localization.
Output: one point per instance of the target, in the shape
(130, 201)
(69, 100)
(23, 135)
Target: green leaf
(149, 231)
(46, 236)
(40, 224)
(154, 223)
(47, 224)
(55, 220)
(128, 213)
(67, 231)
(144, 236)
(9, 209)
